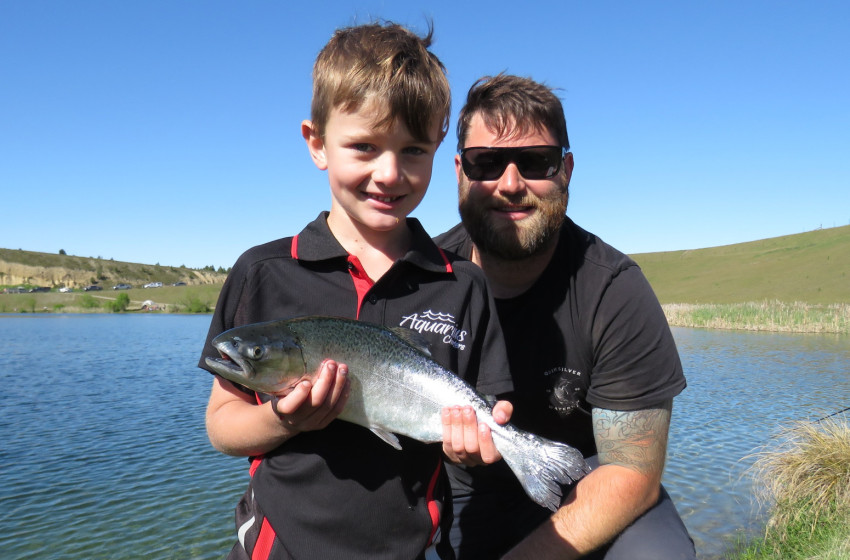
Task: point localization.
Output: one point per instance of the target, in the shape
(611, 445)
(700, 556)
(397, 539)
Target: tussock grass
(773, 316)
(804, 481)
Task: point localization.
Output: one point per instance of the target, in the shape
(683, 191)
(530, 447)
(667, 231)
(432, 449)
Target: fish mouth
(231, 364)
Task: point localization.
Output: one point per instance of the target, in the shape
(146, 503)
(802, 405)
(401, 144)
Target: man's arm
(632, 447)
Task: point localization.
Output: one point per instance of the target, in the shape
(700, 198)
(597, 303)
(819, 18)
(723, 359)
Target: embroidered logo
(438, 323)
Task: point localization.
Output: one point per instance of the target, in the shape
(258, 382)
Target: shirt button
(373, 299)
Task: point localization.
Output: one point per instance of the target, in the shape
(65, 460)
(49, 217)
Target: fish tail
(543, 466)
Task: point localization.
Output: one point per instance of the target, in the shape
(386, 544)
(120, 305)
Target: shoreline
(765, 316)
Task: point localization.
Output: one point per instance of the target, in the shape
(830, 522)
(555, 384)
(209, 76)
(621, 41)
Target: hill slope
(30, 268)
(811, 267)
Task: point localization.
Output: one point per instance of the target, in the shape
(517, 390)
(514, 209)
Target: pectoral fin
(387, 437)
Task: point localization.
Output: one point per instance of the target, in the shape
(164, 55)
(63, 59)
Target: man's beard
(512, 240)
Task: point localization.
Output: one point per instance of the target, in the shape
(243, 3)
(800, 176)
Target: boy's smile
(377, 175)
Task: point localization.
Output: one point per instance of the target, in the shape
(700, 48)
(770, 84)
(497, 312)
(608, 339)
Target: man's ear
(315, 144)
(568, 166)
(458, 169)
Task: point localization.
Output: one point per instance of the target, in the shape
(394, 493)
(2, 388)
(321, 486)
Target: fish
(395, 388)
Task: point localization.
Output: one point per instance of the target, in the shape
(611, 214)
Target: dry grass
(804, 481)
(773, 316)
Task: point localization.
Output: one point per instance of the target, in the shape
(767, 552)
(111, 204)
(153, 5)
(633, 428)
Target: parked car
(153, 285)
(39, 289)
(179, 284)
(121, 287)
(66, 289)
(92, 288)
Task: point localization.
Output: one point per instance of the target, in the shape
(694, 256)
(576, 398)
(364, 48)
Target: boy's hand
(312, 405)
(467, 442)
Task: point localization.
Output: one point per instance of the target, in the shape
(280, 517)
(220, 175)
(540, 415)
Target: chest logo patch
(439, 323)
(565, 393)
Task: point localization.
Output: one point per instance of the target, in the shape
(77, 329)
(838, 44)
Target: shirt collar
(317, 243)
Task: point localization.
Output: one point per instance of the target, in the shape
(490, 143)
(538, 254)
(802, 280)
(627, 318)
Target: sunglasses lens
(533, 162)
(539, 162)
(483, 164)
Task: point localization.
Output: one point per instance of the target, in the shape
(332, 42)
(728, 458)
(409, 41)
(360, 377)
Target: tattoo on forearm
(635, 439)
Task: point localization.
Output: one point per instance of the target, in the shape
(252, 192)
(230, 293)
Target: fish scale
(396, 388)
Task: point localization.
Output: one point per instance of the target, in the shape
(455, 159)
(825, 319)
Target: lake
(103, 452)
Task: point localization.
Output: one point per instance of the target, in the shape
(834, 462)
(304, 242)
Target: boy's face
(377, 176)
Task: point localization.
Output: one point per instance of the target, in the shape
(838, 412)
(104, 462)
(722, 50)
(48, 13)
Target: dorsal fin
(413, 338)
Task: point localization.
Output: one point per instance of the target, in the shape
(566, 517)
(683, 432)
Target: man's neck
(511, 278)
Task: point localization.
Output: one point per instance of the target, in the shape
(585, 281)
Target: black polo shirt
(341, 492)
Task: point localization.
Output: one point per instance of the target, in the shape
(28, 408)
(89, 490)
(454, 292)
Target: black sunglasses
(533, 162)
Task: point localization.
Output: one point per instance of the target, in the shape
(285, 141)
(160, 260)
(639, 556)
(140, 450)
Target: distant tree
(62, 252)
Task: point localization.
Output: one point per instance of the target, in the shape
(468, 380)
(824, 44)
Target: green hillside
(811, 267)
(794, 283)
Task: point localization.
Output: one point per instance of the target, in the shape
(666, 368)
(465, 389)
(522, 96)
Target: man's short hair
(390, 64)
(513, 105)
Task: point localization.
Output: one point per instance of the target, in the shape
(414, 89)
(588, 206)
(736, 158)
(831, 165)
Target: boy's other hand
(467, 442)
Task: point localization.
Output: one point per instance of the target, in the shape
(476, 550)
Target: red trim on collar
(445, 260)
(362, 282)
(293, 249)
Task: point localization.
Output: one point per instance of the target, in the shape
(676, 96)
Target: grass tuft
(804, 482)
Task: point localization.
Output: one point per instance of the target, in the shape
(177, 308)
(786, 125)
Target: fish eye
(257, 352)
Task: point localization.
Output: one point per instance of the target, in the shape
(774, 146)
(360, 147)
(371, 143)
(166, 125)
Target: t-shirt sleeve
(635, 360)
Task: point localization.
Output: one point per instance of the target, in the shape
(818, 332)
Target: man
(592, 357)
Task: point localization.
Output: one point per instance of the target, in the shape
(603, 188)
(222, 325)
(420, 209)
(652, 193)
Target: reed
(804, 481)
(773, 316)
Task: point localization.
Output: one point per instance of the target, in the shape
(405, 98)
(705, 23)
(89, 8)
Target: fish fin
(387, 437)
(543, 467)
(414, 339)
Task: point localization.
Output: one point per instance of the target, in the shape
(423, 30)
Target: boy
(331, 489)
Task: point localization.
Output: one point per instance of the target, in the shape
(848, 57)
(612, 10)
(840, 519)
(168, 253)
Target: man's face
(512, 217)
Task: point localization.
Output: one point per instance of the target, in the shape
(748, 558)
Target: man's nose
(387, 169)
(511, 181)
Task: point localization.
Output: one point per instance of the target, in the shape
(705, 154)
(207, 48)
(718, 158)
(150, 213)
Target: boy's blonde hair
(388, 64)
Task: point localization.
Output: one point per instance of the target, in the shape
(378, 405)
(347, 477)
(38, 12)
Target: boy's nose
(387, 169)
(511, 181)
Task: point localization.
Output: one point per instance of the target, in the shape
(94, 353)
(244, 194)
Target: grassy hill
(795, 283)
(811, 267)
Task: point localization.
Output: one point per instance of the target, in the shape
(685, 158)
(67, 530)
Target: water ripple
(104, 449)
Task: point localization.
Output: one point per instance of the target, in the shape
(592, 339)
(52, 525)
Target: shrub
(120, 304)
(194, 304)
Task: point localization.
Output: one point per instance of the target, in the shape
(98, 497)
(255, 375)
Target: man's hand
(468, 442)
(313, 405)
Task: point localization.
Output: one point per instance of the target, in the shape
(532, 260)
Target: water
(743, 389)
(103, 452)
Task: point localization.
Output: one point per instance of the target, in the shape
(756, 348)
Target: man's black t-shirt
(589, 333)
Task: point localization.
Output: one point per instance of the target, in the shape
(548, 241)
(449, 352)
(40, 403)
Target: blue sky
(169, 131)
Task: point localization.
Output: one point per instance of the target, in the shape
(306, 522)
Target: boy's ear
(315, 144)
